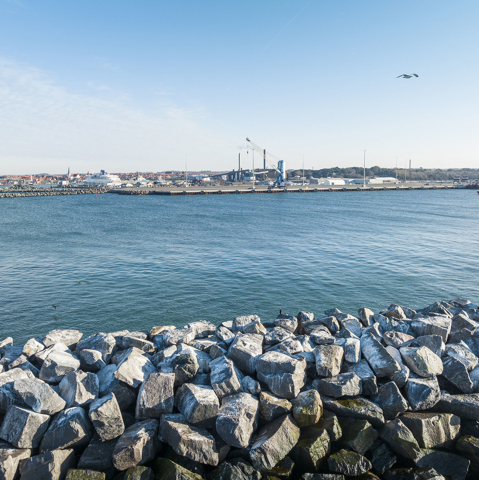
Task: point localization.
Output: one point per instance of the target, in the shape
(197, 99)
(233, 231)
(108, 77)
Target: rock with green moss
(348, 463)
(400, 439)
(357, 407)
(312, 449)
(167, 470)
(272, 407)
(74, 474)
(139, 473)
(274, 441)
(307, 408)
(322, 476)
(283, 469)
(422, 361)
(329, 422)
(358, 435)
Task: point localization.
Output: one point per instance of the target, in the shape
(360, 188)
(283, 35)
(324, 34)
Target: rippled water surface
(114, 262)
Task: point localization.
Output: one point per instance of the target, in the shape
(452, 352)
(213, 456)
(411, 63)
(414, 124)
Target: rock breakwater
(389, 395)
(49, 192)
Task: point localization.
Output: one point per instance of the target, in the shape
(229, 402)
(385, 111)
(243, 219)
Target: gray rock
(435, 343)
(238, 419)
(398, 339)
(11, 354)
(391, 401)
(422, 393)
(91, 360)
(9, 460)
(344, 384)
(277, 335)
(380, 360)
(274, 441)
(251, 385)
(156, 396)
(464, 406)
(48, 466)
(353, 325)
(358, 435)
(32, 346)
(98, 456)
(184, 366)
(463, 354)
(202, 328)
(320, 336)
(79, 389)
(456, 372)
(329, 359)
(8, 396)
(67, 337)
(138, 445)
(56, 365)
(357, 407)
(239, 323)
(448, 464)
(288, 322)
(216, 351)
(422, 361)
(400, 378)
(134, 368)
(312, 449)
(104, 343)
(307, 408)
(77, 474)
(69, 429)
(400, 439)
(329, 422)
(348, 463)
(225, 377)
(23, 428)
(245, 350)
(352, 349)
(272, 407)
(125, 395)
(255, 327)
(39, 396)
(290, 346)
(433, 430)
(6, 342)
(179, 335)
(23, 363)
(105, 414)
(432, 326)
(330, 322)
(225, 334)
(383, 457)
(38, 358)
(168, 470)
(188, 441)
(364, 372)
(285, 375)
(394, 311)
(198, 404)
(129, 341)
(366, 316)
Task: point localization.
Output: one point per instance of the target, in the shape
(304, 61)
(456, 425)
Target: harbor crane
(279, 168)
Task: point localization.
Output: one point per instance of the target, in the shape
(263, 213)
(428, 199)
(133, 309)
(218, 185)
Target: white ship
(102, 179)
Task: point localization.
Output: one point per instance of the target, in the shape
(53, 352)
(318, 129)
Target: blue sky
(128, 85)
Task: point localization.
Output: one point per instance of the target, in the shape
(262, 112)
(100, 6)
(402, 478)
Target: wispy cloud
(45, 127)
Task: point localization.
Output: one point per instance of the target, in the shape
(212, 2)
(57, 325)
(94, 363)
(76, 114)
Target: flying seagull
(407, 75)
(55, 306)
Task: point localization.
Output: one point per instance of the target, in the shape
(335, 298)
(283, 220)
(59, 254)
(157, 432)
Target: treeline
(413, 174)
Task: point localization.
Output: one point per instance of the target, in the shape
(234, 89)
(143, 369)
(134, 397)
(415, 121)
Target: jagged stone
(255, 327)
(129, 341)
(312, 449)
(239, 323)
(400, 378)
(321, 336)
(52, 465)
(8, 396)
(70, 338)
(433, 430)
(456, 372)
(91, 360)
(463, 354)
(366, 316)
(167, 470)
(79, 389)
(422, 393)
(199, 404)
(435, 343)
(380, 360)
(348, 463)
(284, 374)
(392, 324)
(184, 366)
(288, 322)
(225, 377)
(330, 322)
(104, 343)
(179, 335)
(56, 365)
(216, 352)
(464, 406)
(69, 429)
(329, 359)
(245, 350)
(77, 474)
(344, 384)
(468, 446)
(364, 372)
(156, 396)
(9, 460)
(134, 368)
(432, 326)
(400, 439)
(202, 328)
(38, 358)
(251, 385)
(307, 408)
(6, 342)
(39, 396)
(391, 401)
(353, 325)
(358, 435)
(98, 456)
(188, 441)
(398, 339)
(422, 361)
(323, 476)
(23, 428)
(125, 395)
(448, 464)
(272, 407)
(274, 441)
(237, 419)
(283, 469)
(32, 346)
(139, 473)
(138, 445)
(329, 422)
(277, 335)
(23, 363)
(394, 311)
(352, 349)
(11, 354)
(105, 414)
(383, 457)
(225, 334)
(357, 407)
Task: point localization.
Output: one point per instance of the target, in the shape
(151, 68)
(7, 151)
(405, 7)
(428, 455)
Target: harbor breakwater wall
(389, 395)
(48, 192)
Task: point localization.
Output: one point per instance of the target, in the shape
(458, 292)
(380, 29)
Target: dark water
(115, 262)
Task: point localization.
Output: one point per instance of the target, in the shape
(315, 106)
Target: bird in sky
(408, 75)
